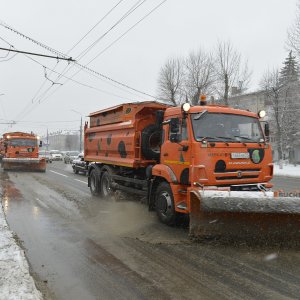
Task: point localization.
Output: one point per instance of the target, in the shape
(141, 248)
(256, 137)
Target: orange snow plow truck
(213, 163)
(20, 151)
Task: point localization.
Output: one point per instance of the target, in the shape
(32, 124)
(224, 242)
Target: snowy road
(80, 247)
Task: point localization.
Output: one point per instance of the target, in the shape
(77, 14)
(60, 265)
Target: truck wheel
(164, 204)
(151, 137)
(105, 185)
(94, 182)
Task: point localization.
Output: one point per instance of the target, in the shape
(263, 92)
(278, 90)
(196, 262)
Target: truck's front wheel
(94, 182)
(164, 204)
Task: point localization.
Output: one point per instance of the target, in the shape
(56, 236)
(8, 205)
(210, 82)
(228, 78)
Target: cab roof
(211, 108)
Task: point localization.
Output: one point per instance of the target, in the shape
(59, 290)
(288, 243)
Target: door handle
(166, 154)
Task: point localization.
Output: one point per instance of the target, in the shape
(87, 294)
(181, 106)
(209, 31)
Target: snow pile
(287, 170)
(15, 280)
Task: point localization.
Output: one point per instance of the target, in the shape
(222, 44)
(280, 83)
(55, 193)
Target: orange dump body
(21, 152)
(114, 136)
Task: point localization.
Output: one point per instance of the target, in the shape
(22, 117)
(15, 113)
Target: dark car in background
(70, 156)
(79, 165)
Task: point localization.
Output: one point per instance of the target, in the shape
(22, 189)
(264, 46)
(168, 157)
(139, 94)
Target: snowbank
(287, 170)
(15, 280)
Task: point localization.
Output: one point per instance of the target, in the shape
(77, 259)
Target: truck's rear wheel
(105, 185)
(94, 182)
(164, 204)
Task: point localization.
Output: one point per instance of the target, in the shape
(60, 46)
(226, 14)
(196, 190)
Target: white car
(56, 155)
(45, 154)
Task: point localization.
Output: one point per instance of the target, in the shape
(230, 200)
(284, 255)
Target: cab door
(175, 149)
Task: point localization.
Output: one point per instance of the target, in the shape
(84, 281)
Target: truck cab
(21, 152)
(217, 146)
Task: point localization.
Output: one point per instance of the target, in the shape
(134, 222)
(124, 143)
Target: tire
(105, 188)
(94, 182)
(75, 170)
(151, 138)
(164, 204)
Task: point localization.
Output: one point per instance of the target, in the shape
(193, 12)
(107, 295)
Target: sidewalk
(15, 281)
(287, 170)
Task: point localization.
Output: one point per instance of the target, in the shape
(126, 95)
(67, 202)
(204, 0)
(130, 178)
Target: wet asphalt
(82, 247)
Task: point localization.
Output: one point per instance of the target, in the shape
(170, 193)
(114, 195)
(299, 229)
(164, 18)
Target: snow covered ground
(287, 170)
(15, 281)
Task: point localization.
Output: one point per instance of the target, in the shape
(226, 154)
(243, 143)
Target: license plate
(240, 155)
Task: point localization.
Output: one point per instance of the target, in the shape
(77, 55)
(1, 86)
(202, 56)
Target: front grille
(237, 170)
(236, 177)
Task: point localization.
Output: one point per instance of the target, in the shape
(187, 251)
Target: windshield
(23, 142)
(54, 152)
(226, 127)
(73, 153)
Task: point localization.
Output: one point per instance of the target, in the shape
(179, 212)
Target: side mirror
(41, 144)
(174, 125)
(267, 130)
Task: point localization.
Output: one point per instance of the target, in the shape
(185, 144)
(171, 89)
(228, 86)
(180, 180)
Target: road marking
(80, 181)
(58, 173)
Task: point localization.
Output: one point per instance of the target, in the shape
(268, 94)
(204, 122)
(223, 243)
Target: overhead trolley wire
(102, 19)
(128, 13)
(45, 81)
(85, 67)
(134, 25)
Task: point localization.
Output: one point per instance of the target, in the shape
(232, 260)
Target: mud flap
(249, 216)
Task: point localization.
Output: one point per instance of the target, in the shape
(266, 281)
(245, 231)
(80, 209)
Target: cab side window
(181, 129)
(172, 128)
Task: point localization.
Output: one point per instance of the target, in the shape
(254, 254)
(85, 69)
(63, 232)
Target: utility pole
(80, 129)
(80, 132)
(47, 145)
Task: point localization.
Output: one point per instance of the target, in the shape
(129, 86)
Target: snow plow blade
(247, 215)
(24, 164)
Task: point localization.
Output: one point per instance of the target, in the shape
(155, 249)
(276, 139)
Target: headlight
(262, 113)
(186, 107)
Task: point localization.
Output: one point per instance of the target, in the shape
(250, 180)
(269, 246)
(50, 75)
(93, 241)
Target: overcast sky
(256, 28)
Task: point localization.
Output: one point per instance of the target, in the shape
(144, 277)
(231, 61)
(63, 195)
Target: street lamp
(80, 130)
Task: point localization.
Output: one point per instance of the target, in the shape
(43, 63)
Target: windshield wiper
(227, 138)
(202, 138)
(200, 115)
(246, 138)
(218, 138)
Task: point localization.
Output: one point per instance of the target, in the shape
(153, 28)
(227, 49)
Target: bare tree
(230, 70)
(293, 34)
(171, 80)
(284, 119)
(199, 75)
